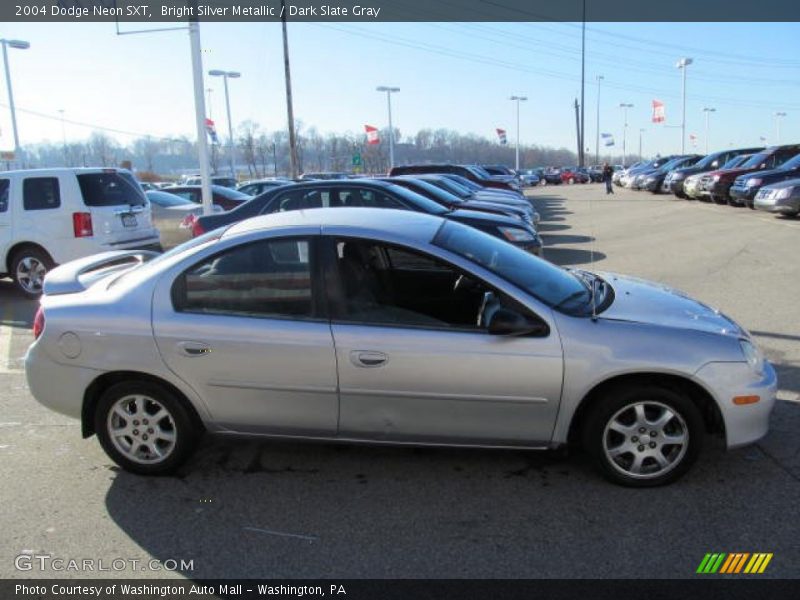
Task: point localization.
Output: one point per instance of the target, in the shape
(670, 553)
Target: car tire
(666, 449)
(131, 432)
(29, 266)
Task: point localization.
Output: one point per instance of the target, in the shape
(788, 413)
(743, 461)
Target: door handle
(194, 348)
(368, 358)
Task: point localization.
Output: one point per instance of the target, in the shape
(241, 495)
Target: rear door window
(110, 189)
(4, 187)
(41, 193)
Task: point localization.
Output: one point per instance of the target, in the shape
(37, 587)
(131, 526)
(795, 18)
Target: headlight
(753, 356)
(678, 176)
(784, 193)
(716, 178)
(513, 234)
(651, 179)
(754, 181)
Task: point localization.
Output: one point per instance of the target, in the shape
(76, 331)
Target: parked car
(173, 216)
(221, 180)
(652, 181)
(259, 186)
(324, 176)
(468, 191)
(596, 173)
(224, 197)
(529, 177)
(499, 170)
(147, 186)
(702, 189)
(782, 198)
(629, 176)
(470, 172)
(552, 176)
(452, 201)
(673, 183)
(769, 158)
(744, 188)
(371, 193)
(505, 194)
(390, 327)
(573, 175)
(53, 216)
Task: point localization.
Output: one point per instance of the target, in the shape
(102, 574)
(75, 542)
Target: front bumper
(748, 423)
(741, 194)
(784, 206)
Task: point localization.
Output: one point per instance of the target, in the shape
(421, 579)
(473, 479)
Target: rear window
(110, 189)
(41, 193)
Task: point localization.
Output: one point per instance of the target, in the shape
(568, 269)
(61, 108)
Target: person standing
(608, 172)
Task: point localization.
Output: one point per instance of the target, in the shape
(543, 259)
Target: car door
(415, 366)
(5, 219)
(245, 329)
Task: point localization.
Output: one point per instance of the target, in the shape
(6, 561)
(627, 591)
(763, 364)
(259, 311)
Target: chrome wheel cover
(141, 429)
(645, 439)
(30, 274)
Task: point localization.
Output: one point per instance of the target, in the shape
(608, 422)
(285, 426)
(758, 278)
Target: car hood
(779, 185)
(643, 301)
(496, 219)
(493, 207)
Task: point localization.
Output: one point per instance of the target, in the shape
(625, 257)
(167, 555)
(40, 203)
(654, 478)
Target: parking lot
(268, 509)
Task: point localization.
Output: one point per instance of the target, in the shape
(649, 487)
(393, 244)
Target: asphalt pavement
(245, 508)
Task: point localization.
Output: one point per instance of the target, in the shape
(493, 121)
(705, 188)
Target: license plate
(129, 221)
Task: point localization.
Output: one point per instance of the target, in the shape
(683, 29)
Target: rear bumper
(57, 386)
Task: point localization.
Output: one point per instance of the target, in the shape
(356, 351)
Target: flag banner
(693, 139)
(658, 111)
(211, 129)
(608, 139)
(501, 136)
(372, 134)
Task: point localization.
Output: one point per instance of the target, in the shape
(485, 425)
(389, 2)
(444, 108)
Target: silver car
(383, 326)
(782, 198)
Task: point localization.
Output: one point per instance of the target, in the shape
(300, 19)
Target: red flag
(501, 136)
(658, 111)
(372, 134)
(211, 129)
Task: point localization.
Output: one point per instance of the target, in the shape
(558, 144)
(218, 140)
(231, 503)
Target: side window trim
(334, 288)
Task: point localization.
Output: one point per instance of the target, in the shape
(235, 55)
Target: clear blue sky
(452, 75)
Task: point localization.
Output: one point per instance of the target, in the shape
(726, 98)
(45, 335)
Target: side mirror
(509, 322)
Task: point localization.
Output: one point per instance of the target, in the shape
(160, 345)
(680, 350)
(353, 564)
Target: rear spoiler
(76, 276)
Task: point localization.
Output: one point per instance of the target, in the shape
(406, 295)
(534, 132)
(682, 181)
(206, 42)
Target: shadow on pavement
(564, 257)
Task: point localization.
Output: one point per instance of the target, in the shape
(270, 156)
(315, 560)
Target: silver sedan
(371, 325)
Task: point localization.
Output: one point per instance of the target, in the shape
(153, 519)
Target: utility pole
(581, 159)
(289, 108)
(578, 126)
(597, 140)
(200, 116)
(518, 99)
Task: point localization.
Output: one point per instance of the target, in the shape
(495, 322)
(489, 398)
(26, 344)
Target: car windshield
(553, 285)
(229, 193)
(454, 187)
(736, 161)
(418, 200)
(792, 163)
(166, 199)
(755, 160)
(479, 172)
(431, 191)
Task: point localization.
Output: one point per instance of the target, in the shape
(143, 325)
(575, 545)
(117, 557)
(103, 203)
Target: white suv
(51, 216)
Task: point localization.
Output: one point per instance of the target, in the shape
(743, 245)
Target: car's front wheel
(642, 436)
(145, 428)
(28, 268)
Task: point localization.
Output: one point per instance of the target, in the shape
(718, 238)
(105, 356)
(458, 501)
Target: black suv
(476, 174)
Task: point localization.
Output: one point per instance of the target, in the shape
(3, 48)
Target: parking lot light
(682, 64)
(708, 111)
(518, 99)
(597, 139)
(624, 106)
(778, 116)
(389, 91)
(19, 45)
(225, 76)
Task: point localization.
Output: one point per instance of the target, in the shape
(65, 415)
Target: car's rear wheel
(28, 268)
(643, 436)
(144, 428)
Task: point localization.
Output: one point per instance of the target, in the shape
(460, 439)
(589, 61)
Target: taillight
(38, 323)
(197, 228)
(82, 224)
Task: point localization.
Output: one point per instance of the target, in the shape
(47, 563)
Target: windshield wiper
(573, 296)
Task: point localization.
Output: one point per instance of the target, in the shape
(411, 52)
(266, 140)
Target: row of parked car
(53, 216)
(761, 178)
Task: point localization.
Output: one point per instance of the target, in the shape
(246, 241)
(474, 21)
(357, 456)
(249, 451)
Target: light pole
(389, 91)
(641, 131)
(683, 64)
(778, 116)
(63, 136)
(225, 76)
(517, 100)
(624, 106)
(597, 139)
(19, 45)
(708, 112)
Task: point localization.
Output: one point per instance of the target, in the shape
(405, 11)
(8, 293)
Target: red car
(569, 175)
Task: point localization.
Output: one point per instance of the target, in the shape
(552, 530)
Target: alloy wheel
(142, 429)
(30, 274)
(645, 439)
